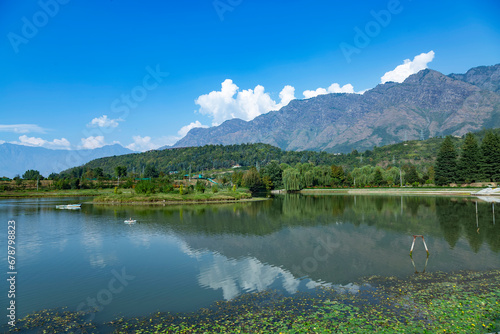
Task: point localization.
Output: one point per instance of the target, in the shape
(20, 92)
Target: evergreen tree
(469, 162)
(446, 163)
(412, 175)
(377, 177)
(490, 164)
(338, 174)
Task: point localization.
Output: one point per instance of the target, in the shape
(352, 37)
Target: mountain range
(16, 159)
(425, 105)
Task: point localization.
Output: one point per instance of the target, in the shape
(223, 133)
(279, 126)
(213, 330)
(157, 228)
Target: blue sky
(81, 74)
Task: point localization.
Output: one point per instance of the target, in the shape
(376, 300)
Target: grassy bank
(465, 302)
(128, 196)
(454, 191)
(54, 193)
(173, 198)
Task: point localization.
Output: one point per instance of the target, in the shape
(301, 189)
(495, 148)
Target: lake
(183, 258)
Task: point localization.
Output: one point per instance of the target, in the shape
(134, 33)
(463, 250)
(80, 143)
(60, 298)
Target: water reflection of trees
(457, 218)
(441, 217)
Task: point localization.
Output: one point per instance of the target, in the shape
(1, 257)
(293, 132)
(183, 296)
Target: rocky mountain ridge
(425, 105)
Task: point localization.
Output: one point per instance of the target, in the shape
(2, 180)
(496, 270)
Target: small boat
(69, 206)
(130, 221)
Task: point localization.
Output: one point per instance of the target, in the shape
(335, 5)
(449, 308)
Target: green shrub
(166, 188)
(75, 184)
(145, 187)
(62, 184)
(85, 185)
(127, 184)
(200, 186)
(5, 187)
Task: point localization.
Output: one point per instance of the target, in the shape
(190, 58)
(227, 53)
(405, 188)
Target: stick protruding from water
(413, 244)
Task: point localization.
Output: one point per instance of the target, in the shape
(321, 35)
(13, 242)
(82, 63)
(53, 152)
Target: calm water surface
(186, 257)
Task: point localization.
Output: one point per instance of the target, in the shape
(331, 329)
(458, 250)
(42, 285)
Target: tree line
(475, 163)
(265, 167)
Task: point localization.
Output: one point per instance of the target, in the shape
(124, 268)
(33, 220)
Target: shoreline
(47, 194)
(309, 191)
(190, 202)
(388, 191)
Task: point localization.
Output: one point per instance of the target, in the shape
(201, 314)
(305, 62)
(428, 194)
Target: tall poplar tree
(490, 164)
(446, 163)
(469, 164)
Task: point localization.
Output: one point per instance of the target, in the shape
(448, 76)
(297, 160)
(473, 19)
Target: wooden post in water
(413, 244)
(477, 219)
(493, 212)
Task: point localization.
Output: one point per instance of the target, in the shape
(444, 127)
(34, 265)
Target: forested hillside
(422, 154)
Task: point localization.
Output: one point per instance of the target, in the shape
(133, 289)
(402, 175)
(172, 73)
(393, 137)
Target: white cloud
(401, 72)
(334, 88)
(147, 143)
(104, 122)
(93, 142)
(2, 141)
(21, 128)
(141, 144)
(185, 129)
(286, 95)
(230, 103)
(56, 144)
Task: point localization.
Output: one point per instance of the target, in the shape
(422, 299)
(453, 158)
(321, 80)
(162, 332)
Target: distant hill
(425, 105)
(16, 159)
(420, 153)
